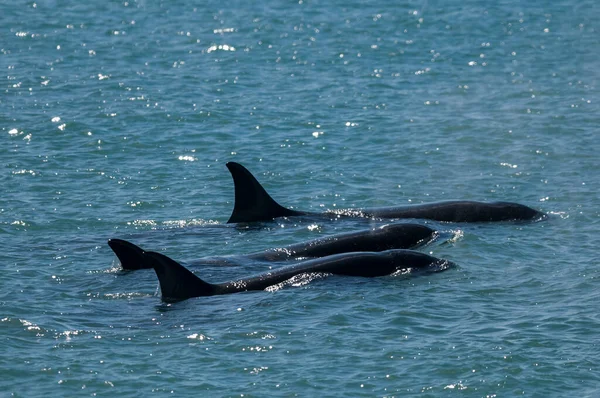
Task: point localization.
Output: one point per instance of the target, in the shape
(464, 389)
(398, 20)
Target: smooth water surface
(117, 119)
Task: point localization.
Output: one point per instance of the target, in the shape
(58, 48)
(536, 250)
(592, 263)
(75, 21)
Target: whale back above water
(253, 203)
(178, 283)
(459, 211)
(393, 236)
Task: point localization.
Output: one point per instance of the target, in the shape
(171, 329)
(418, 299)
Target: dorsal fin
(176, 281)
(252, 202)
(130, 255)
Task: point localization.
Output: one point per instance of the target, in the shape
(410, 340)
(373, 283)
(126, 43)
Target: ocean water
(117, 119)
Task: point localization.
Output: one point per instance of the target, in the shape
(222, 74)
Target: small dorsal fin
(252, 202)
(130, 255)
(176, 281)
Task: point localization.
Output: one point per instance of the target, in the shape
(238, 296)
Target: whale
(179, 283)
(253, 204)
(391, 236)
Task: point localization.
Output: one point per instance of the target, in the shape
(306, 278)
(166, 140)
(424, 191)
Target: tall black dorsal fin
(130, 255)
(176, 281)
(252, 202)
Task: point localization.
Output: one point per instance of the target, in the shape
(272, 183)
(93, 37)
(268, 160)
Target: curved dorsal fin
(176, 281)
(252, 202)
(130, 255)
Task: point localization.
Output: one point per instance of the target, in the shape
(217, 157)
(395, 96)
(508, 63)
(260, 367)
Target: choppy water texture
(117, 118)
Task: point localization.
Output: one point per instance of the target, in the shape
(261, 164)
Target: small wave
(153, 224)
(457, 235)
(128, 296)
(198, 336)
(26, 325)
(220, 47)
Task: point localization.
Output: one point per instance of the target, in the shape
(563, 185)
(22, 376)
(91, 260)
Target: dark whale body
(253, 204)
(393, 236)
(178, 283)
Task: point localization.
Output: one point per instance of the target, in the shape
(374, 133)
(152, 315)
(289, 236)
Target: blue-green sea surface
(117, 119)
